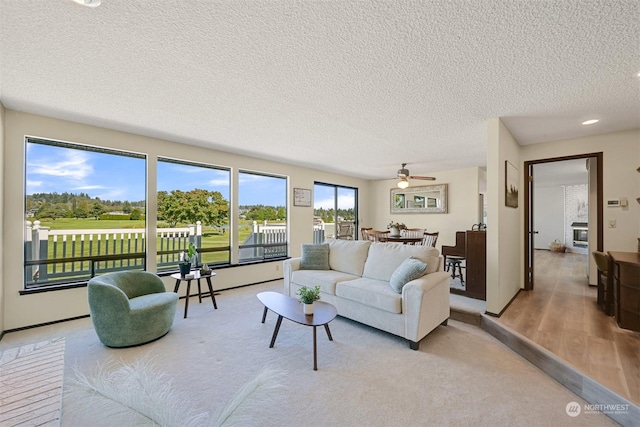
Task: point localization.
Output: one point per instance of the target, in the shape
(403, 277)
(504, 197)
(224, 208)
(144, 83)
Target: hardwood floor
(561, 315)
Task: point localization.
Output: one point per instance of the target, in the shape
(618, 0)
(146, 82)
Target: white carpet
(365, 377)
(31, 378)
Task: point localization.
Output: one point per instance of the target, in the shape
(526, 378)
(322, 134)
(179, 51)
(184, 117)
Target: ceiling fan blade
(424, 178)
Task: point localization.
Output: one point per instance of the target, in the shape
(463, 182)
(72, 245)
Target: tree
(82, 209)
(135, 215)
(97, 209)
(53, 211)
(208, 207)
(126, 207)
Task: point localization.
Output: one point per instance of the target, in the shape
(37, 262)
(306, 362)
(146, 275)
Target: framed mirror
(425, 199)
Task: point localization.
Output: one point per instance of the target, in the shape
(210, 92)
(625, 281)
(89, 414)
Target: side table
(196, 276)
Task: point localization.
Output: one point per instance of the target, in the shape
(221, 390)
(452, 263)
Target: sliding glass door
(335, 212)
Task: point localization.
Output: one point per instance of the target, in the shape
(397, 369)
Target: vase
(308, 308)
(395, 231)
(184, 269)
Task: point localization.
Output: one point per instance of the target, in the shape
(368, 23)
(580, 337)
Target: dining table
(407, 240)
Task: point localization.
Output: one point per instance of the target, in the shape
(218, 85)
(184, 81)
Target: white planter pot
(395, 231)
(308, 308)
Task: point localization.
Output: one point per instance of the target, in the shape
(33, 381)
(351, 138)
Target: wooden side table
(196, 276)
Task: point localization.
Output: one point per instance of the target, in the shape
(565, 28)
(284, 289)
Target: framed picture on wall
(510, 185)
(301, 197)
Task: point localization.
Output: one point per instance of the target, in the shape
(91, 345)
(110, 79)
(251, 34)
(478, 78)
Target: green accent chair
(130, 307)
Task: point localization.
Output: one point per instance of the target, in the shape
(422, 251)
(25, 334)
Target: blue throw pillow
(315, 257)
(410, 269)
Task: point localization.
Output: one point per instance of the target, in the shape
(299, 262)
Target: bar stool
(453, 263)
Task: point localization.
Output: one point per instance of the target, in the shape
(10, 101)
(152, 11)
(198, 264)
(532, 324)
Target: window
(335, 212)
(262, 216)
(193, 207)
(85, 212)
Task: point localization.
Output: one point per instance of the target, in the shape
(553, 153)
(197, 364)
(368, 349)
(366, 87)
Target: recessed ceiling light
(590, 122)
(89, 3)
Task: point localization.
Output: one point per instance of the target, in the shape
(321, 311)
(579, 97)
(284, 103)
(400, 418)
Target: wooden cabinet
(624, 279)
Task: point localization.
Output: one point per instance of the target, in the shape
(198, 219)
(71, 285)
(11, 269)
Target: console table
(624, 279)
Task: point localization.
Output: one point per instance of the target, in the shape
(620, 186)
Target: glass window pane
(262, 216)
(335, 212)
(85, 212)
(193, 207)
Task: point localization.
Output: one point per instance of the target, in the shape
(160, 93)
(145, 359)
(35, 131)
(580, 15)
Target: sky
(114, 177)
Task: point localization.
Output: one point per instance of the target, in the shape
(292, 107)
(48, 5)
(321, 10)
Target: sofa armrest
(425, 303)
(289, 266)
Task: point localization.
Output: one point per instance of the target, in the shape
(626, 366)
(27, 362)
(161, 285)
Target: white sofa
(357, 284)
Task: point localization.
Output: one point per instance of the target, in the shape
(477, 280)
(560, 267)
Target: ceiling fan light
(403, 183)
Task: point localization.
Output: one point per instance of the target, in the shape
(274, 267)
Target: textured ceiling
(354, 87)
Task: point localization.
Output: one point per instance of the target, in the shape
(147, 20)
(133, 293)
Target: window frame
(29, 265)
(260, 247)
(182, 244)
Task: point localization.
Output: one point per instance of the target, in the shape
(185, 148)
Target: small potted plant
(308, 296)
(186, 259)
(395, 228)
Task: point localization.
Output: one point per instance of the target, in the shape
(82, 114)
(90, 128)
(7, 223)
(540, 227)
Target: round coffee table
(291, 308)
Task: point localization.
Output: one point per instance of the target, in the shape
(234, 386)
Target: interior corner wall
(504, 235)
(621, 157)
(34, 309)
(2, 215)
(462, 205)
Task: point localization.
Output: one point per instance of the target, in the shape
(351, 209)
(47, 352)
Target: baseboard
(24, 328)
(465, 317)
(623, 411)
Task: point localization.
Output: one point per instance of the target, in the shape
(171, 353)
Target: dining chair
(376, 235)
(345, 231)
(430, 239)
(363, 232)
(412, 232)
(604, 295)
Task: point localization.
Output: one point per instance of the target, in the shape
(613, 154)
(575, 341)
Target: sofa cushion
(384, 258)
(348, 256)
(314, 257)
(371, 292)
(326, 279)
(410, 269)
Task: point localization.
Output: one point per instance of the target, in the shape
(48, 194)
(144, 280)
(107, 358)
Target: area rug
(365, 377)
(31, 378)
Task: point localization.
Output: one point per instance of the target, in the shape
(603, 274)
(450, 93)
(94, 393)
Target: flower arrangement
(398, 225)
(309, 295)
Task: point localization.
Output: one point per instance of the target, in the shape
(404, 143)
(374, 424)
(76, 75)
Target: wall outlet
(612, 223)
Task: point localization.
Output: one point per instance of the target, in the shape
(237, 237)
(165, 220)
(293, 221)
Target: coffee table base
(291, 309)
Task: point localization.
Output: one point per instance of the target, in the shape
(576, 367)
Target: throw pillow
(409, 270)
(314, 257)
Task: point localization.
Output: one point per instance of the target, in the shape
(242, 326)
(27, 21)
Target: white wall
(548, 213)
(621, 157)
(505, 263)
(32, 309)
(463, 200)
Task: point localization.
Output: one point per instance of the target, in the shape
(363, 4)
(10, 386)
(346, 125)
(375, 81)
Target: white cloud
(32, 184)
(90, 187)
(219, 182)
(74, 165)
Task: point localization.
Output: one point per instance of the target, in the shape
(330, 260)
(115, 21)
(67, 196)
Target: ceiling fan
(404, 176)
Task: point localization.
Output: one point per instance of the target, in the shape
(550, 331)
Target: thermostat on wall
(613, 203)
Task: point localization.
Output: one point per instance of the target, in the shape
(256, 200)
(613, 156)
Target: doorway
(584, 211)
